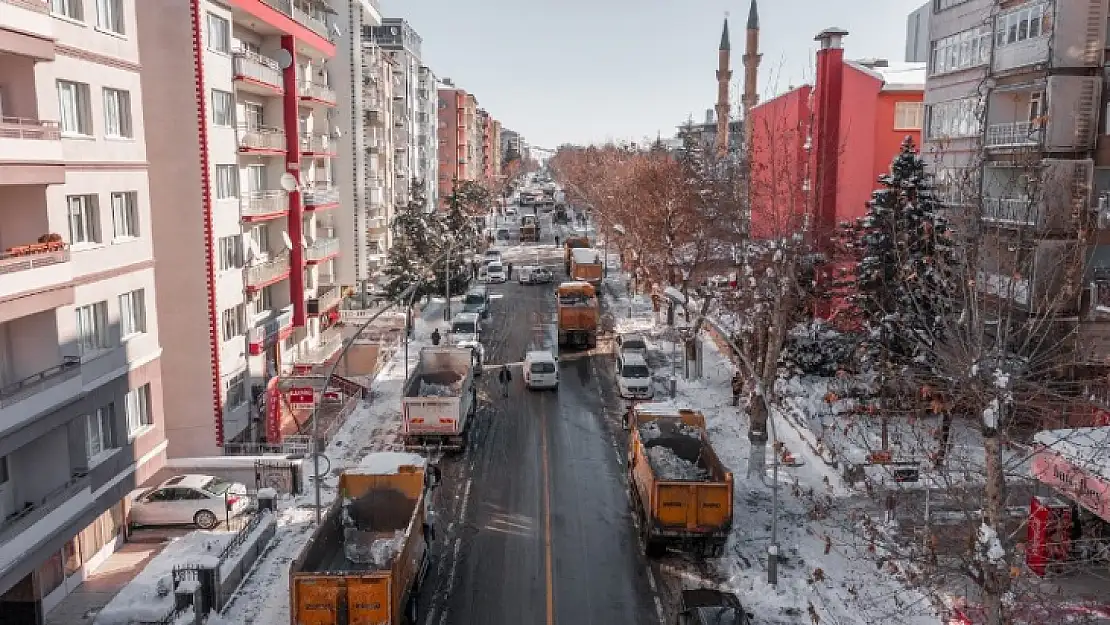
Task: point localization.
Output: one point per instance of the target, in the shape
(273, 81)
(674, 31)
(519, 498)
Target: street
(535, 513)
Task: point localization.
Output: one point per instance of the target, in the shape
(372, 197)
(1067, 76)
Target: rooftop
(895, 76)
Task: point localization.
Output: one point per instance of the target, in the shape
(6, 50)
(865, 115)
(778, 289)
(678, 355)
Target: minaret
(750, 97)
(724, 76)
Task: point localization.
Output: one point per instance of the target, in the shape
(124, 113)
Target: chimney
(709, 118)
(828, 99)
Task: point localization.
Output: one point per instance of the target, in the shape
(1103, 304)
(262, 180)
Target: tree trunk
(943, 438)
(996, 577)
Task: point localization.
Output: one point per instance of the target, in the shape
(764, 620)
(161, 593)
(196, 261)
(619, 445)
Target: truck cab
(466, 331)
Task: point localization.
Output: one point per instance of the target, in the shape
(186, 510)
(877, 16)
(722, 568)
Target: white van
(541, 370)
(495, 273)
(633, 376)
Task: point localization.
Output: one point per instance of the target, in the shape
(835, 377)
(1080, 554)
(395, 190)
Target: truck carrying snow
(680, 490)
(577, 314)
(440, 398)
(585, 265)
(572, 243)
(367, 558)
(529, 229)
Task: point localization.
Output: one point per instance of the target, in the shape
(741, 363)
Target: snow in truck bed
(585, 256)
(437, 384)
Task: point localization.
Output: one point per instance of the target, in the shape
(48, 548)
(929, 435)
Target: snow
(387, 463)
(235, 558)
(674, 294)
(990, 547)
(990, 414)
(668, 466)
(267, 493)
(1086, 448)
(585, 256)
(378, 554)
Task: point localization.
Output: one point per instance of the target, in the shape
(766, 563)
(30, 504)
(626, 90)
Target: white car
(633, 376)
(495, 272)
(541, 370)
(202, 500)
(631, 343)
(491, 256)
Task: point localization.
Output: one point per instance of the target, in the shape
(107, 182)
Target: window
(250, 47)
(117, 113)
(233, 322)
(69, 8)
(253, 115)
(219, 34)
(940, 5)
(132, 313)
(84, 219)
(957, 186)
(125, 214)
(223, 108)
(137, 407)
(235, 390)
(92, 328)
(109, 15)
(1022, 25)
(256, 177)
(259, 240)
(908, 115)
(970, 48)
(262, 302)
(954, 118)
(227, 182)
(98, 432)
(73, 107)
(231, 252)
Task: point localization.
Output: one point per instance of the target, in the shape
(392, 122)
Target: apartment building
(80, 357)
(452, 137)
(472, 166)
(495, 148)
(485, 150)
(242, 147)
(427, 144)
(917, 34)
(510, 145)
(1013, 104)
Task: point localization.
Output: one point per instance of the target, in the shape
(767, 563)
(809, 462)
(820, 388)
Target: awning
(1076, 463)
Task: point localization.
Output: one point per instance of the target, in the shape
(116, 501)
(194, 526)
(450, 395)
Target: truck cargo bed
(435, 384)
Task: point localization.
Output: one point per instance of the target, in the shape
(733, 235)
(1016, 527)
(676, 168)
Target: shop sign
(1085, 489)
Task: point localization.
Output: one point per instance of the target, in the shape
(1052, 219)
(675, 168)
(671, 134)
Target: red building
(817, 150)
(452, 139)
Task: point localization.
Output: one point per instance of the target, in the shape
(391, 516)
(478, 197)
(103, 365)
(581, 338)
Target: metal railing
(317, 144)
(1015, 133)
(27, 128)
(290, 444)
(69, 368)
(311, 22)
(320, 196)
(322, 248)
(33, 256)
(261, 138)
(248, 64)
(330, 342)
(269, 271)
(261, 203)
(316, 91)
(1011, 210)
(240, 537)
(267, 332)
(328, 299)
(36, 510)
(40, 6)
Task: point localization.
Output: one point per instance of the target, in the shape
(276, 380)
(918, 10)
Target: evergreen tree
(413, 245)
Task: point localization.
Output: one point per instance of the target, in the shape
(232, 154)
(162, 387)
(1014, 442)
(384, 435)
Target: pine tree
(413, 245)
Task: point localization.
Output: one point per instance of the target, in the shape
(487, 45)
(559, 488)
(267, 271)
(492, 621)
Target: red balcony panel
(282, 21)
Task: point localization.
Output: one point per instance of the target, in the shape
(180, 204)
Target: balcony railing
(330, 342)
(261, 138)
(24, 128)
(317, 144)
(247, 64)
(1011, 211)
(267, 332)
(69, 368)
(1014, 133)
(27, 257)
(41, 6)
(312, 22)
(322, 249)
(320, 196)
(324, 302)
(28, 515)
(316, 91)
(263, 203)
(268, 272)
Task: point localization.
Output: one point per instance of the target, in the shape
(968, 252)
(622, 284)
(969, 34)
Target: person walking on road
(435, 336)
(556, 240)
(510, 268)
(505, 377)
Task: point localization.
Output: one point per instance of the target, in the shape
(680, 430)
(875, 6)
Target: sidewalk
(98, 589)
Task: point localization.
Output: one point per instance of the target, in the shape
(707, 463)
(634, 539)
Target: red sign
(273, 411)
(1049, 534)
(1089, 491)
(301, 398)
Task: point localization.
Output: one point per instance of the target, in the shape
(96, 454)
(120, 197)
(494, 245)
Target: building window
(84, 219)
(132, 313)
(92, 328)
(256, 178)
(253, 115)
(68, 8)
(117, 113)
(73, 107)
(970, 48)
(1023, 24)
(259, 240)
(219, 34)
(109, 15)
(908, 115)
(125, 214)
(227, 182)
(262, 302)
(223, 108)
(232, 322)
(235, 390)
(98, 432)
(137, 406)
(940, 5)
(231, 252)
(954, 118)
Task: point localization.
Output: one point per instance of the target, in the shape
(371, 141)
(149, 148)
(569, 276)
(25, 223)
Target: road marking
(465, 499)
(659, 609)
(548, 551)
(651, 580)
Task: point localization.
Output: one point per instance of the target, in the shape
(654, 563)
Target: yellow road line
(548, 557)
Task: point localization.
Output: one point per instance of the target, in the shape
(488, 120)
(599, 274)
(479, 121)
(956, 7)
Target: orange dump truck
(578, 314)
(585, 265)
(680, 490)
(365, 562)
(572, 243)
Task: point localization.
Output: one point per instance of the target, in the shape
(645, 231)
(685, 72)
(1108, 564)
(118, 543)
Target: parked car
(531, 274)
(707, 606)
(203, 500)
(633, 376)
(491, 256)
(495, 273)
(631, 343)
(541, 370)
(477, 301)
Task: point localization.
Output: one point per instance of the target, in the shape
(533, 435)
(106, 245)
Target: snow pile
(371, 548)
(649, 431)
(431, 389)
(669, 467)
(387, 463)
(990, 547)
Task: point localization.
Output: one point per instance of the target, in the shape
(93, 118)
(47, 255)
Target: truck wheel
(591, 342)
(655, 548)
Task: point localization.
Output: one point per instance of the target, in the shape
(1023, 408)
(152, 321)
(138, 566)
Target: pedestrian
(505, 377)
(510, 266)
(556, 240)
(435, 336)
(737, 388)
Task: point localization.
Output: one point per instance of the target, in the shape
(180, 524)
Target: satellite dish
(284, 58)
(335, 30)
(337, 133)
(286, 240)
(288, 182)
(393, 30)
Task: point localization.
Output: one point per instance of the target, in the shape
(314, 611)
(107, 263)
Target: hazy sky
(576, 71)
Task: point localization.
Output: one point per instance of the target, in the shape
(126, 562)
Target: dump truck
(577, 311)
(585, 265)
(364, 563)
(680, 490)
(440, 399)
(529, 229)
(571, 244)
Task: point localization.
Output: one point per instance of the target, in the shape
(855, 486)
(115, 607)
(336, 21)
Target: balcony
(330, 343)
(1057, 114)
(34, 267)
(1015, 134)
(300, 13)
(1032, 276)
(33, 151)
(264, 205)
(24, 399)
(1049, 196)
(373, 117)
(1011, 211)
(266, 273)
(29, 27)
(33, 512)
(324, 302)
(316, 93)
(322, 249)
(261, 140)
(317, 145)
(320, 197)
(255, 73)
(311, 22)
(277, 327)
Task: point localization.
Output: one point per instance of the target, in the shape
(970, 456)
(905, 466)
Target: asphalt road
(535, 519)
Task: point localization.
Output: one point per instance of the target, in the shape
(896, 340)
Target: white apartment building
(80, 370)
(401, 44)
(427, 142)
(242, 144)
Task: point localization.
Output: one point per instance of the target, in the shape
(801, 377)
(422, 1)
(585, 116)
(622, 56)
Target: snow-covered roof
(575, 284)
(1085, 448)
(386, 463)
(585, 255)
(895, 76)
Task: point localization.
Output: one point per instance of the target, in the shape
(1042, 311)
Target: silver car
(202, 500)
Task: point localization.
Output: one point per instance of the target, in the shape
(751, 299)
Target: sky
(584, 71)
